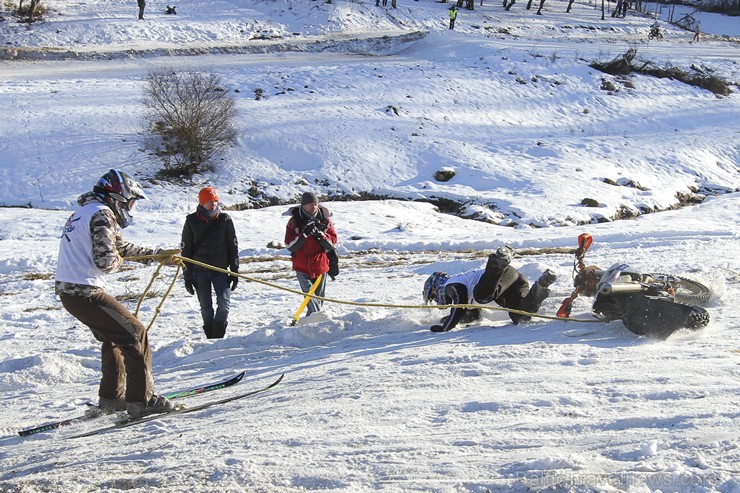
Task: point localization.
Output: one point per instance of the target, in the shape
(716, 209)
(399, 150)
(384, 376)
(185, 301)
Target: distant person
(91, 246)
(453, 16)
(142, 4)
(697, 33)
(171, 10)
(311, 239)
(209, 237)
(618, 9)
(498, 282)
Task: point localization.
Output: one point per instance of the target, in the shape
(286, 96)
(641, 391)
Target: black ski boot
(155, 405)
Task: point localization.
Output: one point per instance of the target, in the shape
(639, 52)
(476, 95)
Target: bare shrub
(191, 118)
(623, 65)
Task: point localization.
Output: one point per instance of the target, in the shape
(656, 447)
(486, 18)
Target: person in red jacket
(311, 239)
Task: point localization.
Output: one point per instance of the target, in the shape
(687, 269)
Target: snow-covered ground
(372, 400)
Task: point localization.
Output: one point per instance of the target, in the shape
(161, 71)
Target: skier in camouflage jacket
(91, 246)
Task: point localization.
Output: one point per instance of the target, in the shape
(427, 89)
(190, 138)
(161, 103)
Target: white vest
(469, 279)
(75, 262)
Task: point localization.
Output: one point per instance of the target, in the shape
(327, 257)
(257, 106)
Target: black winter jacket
(211, 242)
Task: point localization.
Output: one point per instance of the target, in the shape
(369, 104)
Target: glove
(170, 257)
(234, 281)
(310, 229)
(437, 328)
(190, 286)
(318, 233)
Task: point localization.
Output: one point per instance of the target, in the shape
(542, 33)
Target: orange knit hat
(206, 195)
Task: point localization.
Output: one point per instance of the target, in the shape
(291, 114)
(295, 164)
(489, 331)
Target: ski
(152, 417)
(95, 411)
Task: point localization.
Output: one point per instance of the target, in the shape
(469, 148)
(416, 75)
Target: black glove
(234, 281)
(438, 328)
(310, 229)
(190, 286)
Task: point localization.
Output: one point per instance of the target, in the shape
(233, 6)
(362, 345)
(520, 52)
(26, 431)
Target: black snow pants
(509, 289)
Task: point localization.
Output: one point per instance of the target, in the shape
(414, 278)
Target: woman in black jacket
(209, 237)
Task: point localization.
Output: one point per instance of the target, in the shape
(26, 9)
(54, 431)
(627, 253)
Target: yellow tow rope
(310, 294)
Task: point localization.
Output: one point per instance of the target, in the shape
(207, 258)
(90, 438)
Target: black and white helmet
(433, 291)
(120, 192)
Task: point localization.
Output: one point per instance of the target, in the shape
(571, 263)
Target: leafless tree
(191, 117)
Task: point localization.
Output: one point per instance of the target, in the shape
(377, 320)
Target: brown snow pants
(126, 358)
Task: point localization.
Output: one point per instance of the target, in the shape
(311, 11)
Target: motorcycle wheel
(689, 291)
(657, 317)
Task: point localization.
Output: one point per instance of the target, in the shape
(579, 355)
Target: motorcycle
(655, 33)
(648, 304)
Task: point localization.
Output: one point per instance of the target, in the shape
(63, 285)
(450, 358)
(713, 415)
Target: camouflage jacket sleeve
(109, 248)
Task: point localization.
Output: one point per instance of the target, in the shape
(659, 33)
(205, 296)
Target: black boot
(219, 329)
(500, 259)
(208, 330)
(548, 277)
(531, 303)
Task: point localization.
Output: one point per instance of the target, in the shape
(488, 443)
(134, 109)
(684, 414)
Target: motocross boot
(547, 278)
(501, 258)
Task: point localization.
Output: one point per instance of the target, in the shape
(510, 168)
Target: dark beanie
(309, 198)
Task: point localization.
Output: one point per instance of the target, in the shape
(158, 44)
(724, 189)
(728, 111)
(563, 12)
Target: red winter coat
(309, 253)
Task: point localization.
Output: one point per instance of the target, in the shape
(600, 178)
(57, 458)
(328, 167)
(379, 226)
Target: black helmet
(119, 191)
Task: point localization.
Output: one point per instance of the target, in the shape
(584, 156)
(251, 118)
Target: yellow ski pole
(306, 300)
